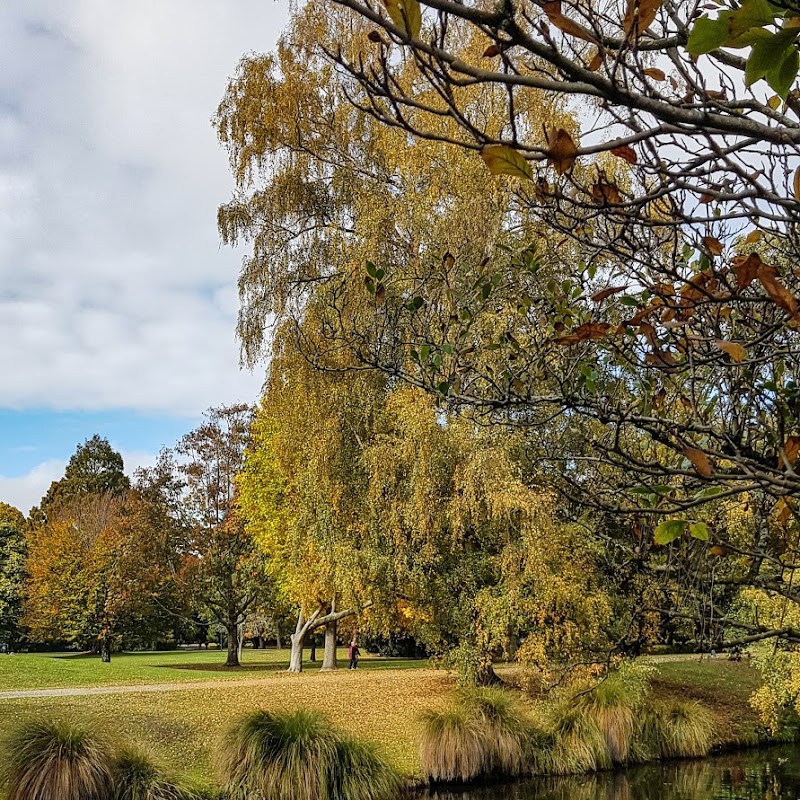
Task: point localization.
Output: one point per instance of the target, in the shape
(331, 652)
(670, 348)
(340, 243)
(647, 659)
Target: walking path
(146, 687)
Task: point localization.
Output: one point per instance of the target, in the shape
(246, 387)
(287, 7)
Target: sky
(117, 303)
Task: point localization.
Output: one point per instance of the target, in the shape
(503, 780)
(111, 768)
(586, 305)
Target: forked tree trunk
(329, 660)
(296, 657)
(233, 645)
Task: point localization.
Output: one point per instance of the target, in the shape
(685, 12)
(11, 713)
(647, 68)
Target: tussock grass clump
(578, 744)
(453, 746)
(687, 730)
(680, 729)
(506, 729)
(137, 777)
(46, 759)
(300, 756)
(612, 705)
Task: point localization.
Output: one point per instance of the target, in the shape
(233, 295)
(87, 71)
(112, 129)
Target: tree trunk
(233, 645)
(329, 660)
(313, 656)
(297, 640)
(240, 642)
(105, 650)
(278, 643)
(486, 676)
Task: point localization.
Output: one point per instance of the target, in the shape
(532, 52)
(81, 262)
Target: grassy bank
(380, 703)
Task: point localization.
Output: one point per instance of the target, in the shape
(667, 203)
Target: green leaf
(503, 160)
(669, 530)
(769, 54)
(708, 34)
(751, 14)
(782, 77)
(711, 491)
(372, 270)
(699, 530)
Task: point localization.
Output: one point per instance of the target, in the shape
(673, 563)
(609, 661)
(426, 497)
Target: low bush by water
(487, 732)
(301, 756)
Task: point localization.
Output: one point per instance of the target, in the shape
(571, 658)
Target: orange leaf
(714, 246)
(606, 193)
(595, 62)
(603, 293)
(700, 461)
(796, 184)
(746, 269)
(567, 25)
(639, 16)
(790, 450)
(734, 350)
(660, 359)
(706, 198)
(590, 330)
(656, 74)
(778, 293)
(562, 152)
(626, 153)
(491, 51)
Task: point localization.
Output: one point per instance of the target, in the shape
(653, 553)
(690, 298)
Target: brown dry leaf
(700, 461)
(714, 246)
(603, 293)
(782, 511)
(656, 74)
(626, 153)
(789, 451)
(605, 192)
(448, 260)
(590, 330)
(595, 62)
(734, 350)
(796, 184)
(778, 293)
(567, 25)
(562, 151)
(706, 198)
(716, 550)
(660, 359)
(491, 51)
(746, 269)
(639, 16)
(374, 36)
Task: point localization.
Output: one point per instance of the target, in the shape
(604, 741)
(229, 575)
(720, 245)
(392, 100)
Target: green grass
(724, 687)
(65, 671)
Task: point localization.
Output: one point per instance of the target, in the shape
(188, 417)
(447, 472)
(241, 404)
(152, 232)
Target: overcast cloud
(114, 292)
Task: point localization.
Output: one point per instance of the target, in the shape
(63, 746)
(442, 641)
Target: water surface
(768, 774)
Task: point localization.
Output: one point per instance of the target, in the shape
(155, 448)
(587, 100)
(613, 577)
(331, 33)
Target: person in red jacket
(354, 653)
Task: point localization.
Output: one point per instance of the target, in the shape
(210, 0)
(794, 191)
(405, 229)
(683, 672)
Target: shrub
(45, 760)
(300, 756)
(578, 744)
(453, 746)
(136, 777)
(506, 729)
(687, 730)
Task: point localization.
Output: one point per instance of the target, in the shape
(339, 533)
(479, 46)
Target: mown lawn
(182, 727)
(381, 702)
(69, 670)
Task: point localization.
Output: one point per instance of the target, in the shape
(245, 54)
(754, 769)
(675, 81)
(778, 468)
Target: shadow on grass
(312, 666)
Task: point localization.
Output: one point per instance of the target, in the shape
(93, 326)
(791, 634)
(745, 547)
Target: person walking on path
(354, 653)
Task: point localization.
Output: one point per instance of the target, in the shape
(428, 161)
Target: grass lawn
(380, 702)
(69, 670)
(724, 686)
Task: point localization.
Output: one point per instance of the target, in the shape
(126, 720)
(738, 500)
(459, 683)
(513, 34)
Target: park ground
(178, 704)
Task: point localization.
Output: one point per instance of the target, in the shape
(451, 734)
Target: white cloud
(114, 292)
(25, 491)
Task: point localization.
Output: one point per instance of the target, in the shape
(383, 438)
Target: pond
(767, 774)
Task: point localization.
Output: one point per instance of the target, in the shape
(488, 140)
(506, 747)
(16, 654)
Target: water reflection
(772, 774)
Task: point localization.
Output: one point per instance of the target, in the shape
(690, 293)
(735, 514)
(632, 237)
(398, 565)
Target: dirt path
(132, 689)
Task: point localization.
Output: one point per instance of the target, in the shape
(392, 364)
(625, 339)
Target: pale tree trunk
(329, 660)
(278, 643)
(240, 641)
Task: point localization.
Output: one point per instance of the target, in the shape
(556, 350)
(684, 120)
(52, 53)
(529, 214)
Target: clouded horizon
(116, 297)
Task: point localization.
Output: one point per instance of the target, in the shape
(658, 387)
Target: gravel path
(147, 687)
